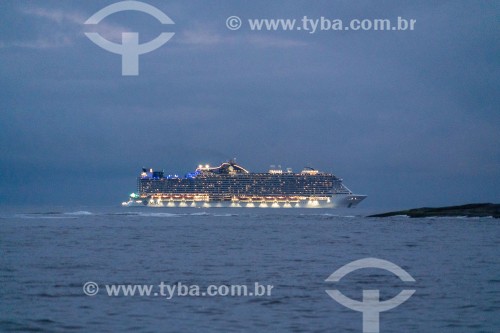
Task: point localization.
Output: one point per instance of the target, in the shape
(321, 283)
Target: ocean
(49, 254)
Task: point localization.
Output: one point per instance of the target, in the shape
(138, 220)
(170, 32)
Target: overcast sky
(410, 118)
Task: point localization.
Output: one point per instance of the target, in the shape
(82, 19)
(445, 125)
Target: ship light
(207, 166)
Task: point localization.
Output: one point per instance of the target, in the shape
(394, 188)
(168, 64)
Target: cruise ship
(231, 185)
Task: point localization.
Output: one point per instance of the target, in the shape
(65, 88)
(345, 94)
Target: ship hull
(336, 201)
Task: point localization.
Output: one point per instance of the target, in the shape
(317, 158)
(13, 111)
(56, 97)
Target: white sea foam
(80, 212)
(200, 214)
(159, 215)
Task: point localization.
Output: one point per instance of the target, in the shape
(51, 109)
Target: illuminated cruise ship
(231, 185)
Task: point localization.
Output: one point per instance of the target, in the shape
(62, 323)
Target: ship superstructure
(231, 185)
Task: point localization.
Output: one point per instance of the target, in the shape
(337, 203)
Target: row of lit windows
(294, 185)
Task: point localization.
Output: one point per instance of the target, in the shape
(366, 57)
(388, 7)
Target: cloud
(54, 15)
(203, 37)
(60, 28)
(42, 43)
(274, 42)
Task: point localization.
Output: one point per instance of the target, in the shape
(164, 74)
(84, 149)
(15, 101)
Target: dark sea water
(48, 254)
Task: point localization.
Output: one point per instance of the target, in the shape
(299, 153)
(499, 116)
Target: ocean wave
(79, 213)
(53, 215)
(123, 214)
(163, 214)
(201, 214)
(43, 216)
(328, 216)
(159, 215)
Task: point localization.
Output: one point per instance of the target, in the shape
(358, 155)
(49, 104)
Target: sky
(409, 118)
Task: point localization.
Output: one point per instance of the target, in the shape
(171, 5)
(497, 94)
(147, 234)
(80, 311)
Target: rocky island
(470, 210)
